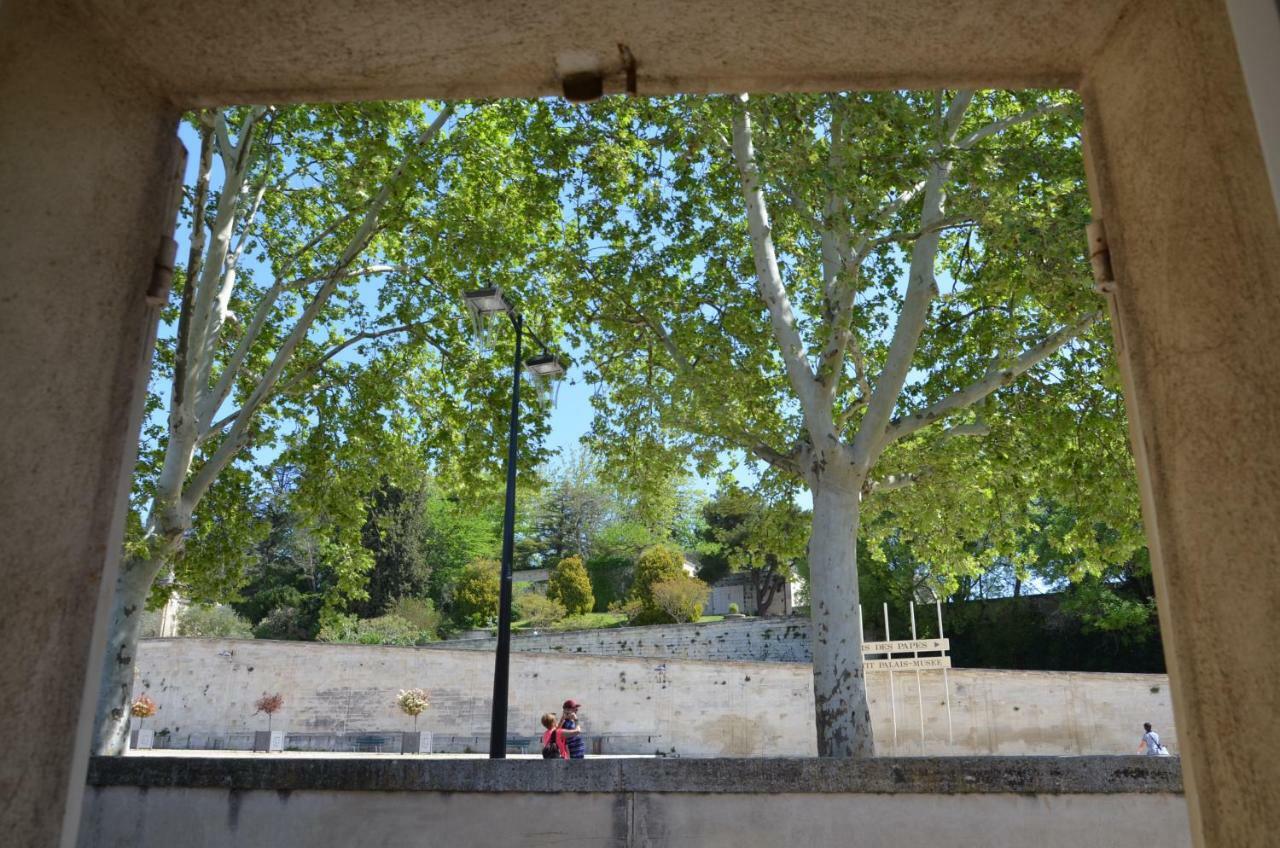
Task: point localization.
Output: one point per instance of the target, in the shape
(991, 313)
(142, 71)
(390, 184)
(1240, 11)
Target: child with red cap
(572, 732)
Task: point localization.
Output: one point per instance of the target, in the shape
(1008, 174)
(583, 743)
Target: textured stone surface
(1114, 802)
(83, 154)
(206, 690)
(133, 817)
(1195, 243)
(300, 49)
(897, 775)
(743, 640)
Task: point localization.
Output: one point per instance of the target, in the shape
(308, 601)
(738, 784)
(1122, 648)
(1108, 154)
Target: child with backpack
(554, 746)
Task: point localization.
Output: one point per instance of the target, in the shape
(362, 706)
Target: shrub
(656, 564)
(610, 578)
(283, 623)
(733, 609)
(681, 598)
(214, 622)
(383, 630)
(570, 585)
(421, 613)
(537, 609)
(475, 596)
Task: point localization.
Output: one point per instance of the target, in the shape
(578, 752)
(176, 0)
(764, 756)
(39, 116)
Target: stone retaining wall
(206, 690)
(740, 640)
(1086, 802)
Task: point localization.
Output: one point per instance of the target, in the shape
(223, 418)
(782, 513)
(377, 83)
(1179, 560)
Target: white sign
(906, 646)
(908, 664)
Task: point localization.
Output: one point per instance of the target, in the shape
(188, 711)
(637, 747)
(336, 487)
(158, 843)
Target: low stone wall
(206, 690)
(740, 640)
(159, 802)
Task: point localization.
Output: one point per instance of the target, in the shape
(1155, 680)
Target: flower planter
(268, 741)
(416, 742)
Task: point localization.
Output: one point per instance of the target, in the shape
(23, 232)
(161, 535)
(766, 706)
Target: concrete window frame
(90, 92)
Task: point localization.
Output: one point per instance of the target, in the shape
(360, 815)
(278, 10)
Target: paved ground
(348, 755)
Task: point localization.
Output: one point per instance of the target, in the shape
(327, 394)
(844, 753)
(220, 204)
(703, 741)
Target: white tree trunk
(111, 728)
(839, 687)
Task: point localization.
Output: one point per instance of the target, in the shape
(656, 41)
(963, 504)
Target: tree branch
(237, 437)
(891, 483)
(768, 277)
(992, 381)
(921, 288)
(301, 376)
(1004, 123)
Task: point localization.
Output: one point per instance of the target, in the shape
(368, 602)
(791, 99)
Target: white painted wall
(206, 688)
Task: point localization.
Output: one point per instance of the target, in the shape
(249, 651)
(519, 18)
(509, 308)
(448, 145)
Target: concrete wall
(1111, 802)
(88, 97)
(742, 640)
(206, 690)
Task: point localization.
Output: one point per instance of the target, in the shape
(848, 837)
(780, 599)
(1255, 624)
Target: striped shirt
(577, 745)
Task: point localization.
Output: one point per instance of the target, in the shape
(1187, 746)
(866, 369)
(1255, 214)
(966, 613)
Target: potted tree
(268, 740)
(142, 709)
(413, 702)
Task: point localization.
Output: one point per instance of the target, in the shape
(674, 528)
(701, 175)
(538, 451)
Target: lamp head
(487, 301)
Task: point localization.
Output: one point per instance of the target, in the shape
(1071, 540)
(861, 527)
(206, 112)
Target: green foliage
(748, 531)
(383, 630)
(475, 597)
(457, 529)
(624, 539)
(537, 609)
(570, 585)
(393, 534)
(661, 211)
(733, 609)
(610, 578)
(213, 622)
(287, 623)
(656, 564)
(590, 621)
(420, 612)
(681, 598)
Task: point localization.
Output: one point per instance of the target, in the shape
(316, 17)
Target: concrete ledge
(902, 775)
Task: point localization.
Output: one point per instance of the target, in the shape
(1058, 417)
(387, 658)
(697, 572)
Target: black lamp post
(485, 302)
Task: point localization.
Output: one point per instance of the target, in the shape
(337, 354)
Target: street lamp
(483, 303)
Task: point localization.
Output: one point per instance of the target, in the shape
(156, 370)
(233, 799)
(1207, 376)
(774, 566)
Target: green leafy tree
(882, 296)
(393, 535)
(213, 622)
(537, 609)
(610, 577)
(655, 564)
(475, 597)
(571, 586)
(744, 531)
(382, 630)
(681, 598)
(575, 504)
(317, 315)
(421, 613)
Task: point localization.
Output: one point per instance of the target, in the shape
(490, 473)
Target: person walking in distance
(572, 731)
(1150, 744)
